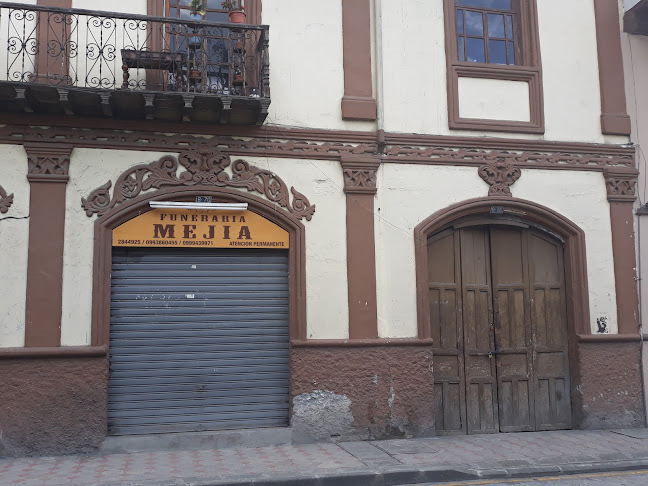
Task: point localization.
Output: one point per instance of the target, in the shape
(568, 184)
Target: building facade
(357, 219)
(634, 45)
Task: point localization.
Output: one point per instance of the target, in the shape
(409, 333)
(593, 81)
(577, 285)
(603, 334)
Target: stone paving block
(404, 447)
(634, 433)
(368, 453)
(613, 456)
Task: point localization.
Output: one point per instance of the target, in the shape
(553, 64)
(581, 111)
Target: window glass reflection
(496, 4)
(474, 23)
(511, 53)
(476, 50)
(497, 51)
(496, 26)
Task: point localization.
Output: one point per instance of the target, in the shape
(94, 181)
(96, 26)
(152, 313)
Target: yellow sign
(196, 228)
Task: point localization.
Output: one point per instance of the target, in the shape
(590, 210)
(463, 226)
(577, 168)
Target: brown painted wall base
(610, 390)
(52, 406)
(356, 393)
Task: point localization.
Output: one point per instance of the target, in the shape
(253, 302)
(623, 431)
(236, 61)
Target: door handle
(492, 354)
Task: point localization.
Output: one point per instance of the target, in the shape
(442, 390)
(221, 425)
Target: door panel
(548, 320)
(481, 384)
(512, 330)
(498, 321)
(447, 333)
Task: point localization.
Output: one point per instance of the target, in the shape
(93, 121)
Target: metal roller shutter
(198, 340)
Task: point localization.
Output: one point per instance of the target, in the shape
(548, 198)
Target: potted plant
(236, 11)
(196, 12)
(238, 78)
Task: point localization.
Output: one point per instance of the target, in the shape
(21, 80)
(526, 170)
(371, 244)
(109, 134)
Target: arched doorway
(497, 312)
(198, 337)
(497, 294)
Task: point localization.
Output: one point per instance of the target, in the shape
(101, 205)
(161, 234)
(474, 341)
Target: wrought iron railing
(94, 49)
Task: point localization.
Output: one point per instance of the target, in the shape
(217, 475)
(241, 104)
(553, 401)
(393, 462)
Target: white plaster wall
(414, 67)
(415, 86)
(121, 6)
(570, 70)
(89, 169)
(14, 240)
(306, 71)
(494, 99)
(326, 265)
(321, 182)
(408, 194)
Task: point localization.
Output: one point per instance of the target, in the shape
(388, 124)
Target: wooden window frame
(514, 13)
(528, 68)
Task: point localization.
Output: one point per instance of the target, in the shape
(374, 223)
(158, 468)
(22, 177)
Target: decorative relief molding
(48, 162)
(621, 185)
(360, 175)
(500, 175)
(271, 145)
(322, 145)
(6, 200)
(533, 159)
(204, 167)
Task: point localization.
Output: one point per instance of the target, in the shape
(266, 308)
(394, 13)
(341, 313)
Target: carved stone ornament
(204, 167)
(621, 184)
(48, 162)
(500, 175)
(359, 175)
(360, 179)
(5, 200)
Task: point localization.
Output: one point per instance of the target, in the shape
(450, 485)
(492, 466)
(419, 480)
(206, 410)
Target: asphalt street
(627, 478)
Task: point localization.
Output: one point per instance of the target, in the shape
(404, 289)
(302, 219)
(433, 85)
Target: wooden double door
(498, 320)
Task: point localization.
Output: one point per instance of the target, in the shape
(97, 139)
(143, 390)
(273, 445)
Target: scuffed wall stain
(389, 391)
(321, 415)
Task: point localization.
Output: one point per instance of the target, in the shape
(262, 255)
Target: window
(486, 31)
(208, 52)
(493, 40)
(213, 10)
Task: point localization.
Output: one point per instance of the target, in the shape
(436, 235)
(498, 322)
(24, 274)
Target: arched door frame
(102, 261)
(578, 317)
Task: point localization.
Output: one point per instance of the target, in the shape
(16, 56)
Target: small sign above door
(197, 228)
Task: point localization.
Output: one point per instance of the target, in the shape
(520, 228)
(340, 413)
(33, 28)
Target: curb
(400, 475)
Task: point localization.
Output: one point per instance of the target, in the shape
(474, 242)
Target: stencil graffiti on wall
(602, 325)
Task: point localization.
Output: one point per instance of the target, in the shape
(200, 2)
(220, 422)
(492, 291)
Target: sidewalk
(350, 463)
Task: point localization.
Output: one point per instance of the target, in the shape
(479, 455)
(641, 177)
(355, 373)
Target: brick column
(48, 166)
(621, 190)
(360, 189)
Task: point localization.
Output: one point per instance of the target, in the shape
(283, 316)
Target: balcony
(86, 63)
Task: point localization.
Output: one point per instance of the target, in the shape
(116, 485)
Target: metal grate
(199, 340)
